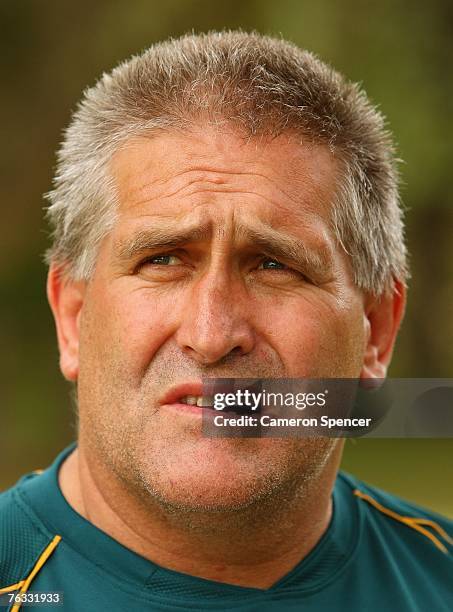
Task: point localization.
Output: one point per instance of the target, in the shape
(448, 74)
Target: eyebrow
(319, 261)
(159, 238)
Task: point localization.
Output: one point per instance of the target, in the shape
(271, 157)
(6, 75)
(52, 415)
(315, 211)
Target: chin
(223, 474)
(220, 482)
(195, 496)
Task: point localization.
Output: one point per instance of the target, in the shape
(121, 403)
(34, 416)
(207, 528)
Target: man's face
(222, 264)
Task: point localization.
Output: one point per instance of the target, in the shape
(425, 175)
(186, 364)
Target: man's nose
(215, 320)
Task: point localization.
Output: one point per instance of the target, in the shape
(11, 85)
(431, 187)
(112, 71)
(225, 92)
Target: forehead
(172, 173)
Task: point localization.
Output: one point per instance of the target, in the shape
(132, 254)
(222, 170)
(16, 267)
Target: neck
(251, 547)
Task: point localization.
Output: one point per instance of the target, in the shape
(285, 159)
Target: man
(225, 206)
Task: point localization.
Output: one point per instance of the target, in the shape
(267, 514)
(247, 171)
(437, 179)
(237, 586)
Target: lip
(196, 388)
(173, 395)
(171, 400)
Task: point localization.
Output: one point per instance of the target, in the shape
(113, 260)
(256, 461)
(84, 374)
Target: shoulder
(400, 522)
(23, 538)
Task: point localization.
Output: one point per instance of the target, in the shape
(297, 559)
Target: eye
(272, 264)
(268, 264)
(163, 260)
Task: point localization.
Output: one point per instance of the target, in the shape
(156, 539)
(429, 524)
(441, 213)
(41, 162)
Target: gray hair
(262, 85)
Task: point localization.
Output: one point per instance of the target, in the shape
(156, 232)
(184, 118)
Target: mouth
(189, 397)
(199, 397)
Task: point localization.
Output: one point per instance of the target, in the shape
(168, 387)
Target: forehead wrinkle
(307, 187)
(218, 179)
(296, 173)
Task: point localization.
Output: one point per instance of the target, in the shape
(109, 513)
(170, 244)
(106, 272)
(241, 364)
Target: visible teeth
(198, 400)
(205, 401)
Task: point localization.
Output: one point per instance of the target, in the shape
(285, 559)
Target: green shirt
(378, 554)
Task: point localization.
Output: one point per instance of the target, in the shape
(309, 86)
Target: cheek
(315, 338)
(128, 328)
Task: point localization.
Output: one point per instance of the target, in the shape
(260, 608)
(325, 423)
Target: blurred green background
(50, 51)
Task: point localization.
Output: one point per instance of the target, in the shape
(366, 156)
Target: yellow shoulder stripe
(415, 523)
(12, 587)
(23, 585)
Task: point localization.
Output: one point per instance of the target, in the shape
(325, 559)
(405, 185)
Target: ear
(66, 300)
(383, 317)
